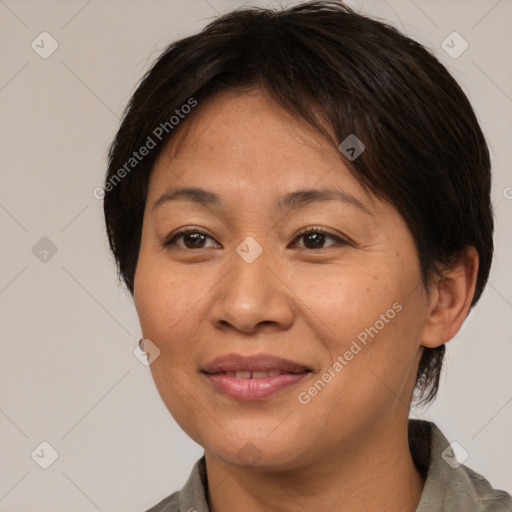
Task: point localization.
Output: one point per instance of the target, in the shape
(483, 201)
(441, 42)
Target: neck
(374, 473)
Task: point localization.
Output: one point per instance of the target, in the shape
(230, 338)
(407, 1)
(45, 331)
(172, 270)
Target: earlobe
(450, 298)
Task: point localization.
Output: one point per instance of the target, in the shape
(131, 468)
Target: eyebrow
(291, 201)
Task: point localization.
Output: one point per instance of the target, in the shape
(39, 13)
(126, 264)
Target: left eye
(315, 239)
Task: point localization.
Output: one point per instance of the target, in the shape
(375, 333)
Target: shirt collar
(449, 485)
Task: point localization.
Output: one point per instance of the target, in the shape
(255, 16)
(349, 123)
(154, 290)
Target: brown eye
(316, 238)
(190, 239)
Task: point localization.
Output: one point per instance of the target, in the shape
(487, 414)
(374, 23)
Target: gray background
(68, 373)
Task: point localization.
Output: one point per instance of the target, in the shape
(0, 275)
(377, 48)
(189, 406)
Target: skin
(347, 448)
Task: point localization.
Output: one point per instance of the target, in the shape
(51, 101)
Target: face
(278, 266)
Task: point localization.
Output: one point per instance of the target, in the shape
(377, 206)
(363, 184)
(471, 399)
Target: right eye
(190, 239)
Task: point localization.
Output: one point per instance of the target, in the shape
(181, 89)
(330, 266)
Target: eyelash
(305, 231)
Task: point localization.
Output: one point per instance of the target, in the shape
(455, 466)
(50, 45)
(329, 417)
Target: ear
(450, 297)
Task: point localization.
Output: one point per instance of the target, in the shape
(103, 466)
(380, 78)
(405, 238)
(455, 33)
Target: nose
(253, 297)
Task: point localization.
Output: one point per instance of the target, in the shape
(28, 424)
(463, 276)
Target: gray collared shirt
(449, 487)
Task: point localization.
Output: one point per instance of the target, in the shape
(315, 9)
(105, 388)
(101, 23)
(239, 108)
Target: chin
(259, 453)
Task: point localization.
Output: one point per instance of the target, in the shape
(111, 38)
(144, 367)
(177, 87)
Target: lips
(253, 377)
(255, 364)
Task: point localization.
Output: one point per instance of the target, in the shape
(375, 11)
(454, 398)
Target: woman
(299, 202)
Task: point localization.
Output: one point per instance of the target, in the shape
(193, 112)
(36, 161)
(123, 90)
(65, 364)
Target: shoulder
(479, 492)
(192, 497)
(449, 485)
(169, 504)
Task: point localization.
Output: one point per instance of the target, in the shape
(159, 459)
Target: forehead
(246, 141)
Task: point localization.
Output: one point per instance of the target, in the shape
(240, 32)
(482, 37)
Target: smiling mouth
(252, 377)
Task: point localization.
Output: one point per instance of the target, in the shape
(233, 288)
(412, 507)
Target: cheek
(165, 298)
(172, 306)
(165, 307)
(341, 302)
(370, 322)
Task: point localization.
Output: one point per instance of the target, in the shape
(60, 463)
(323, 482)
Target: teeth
(254, 375)
(259, 375)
